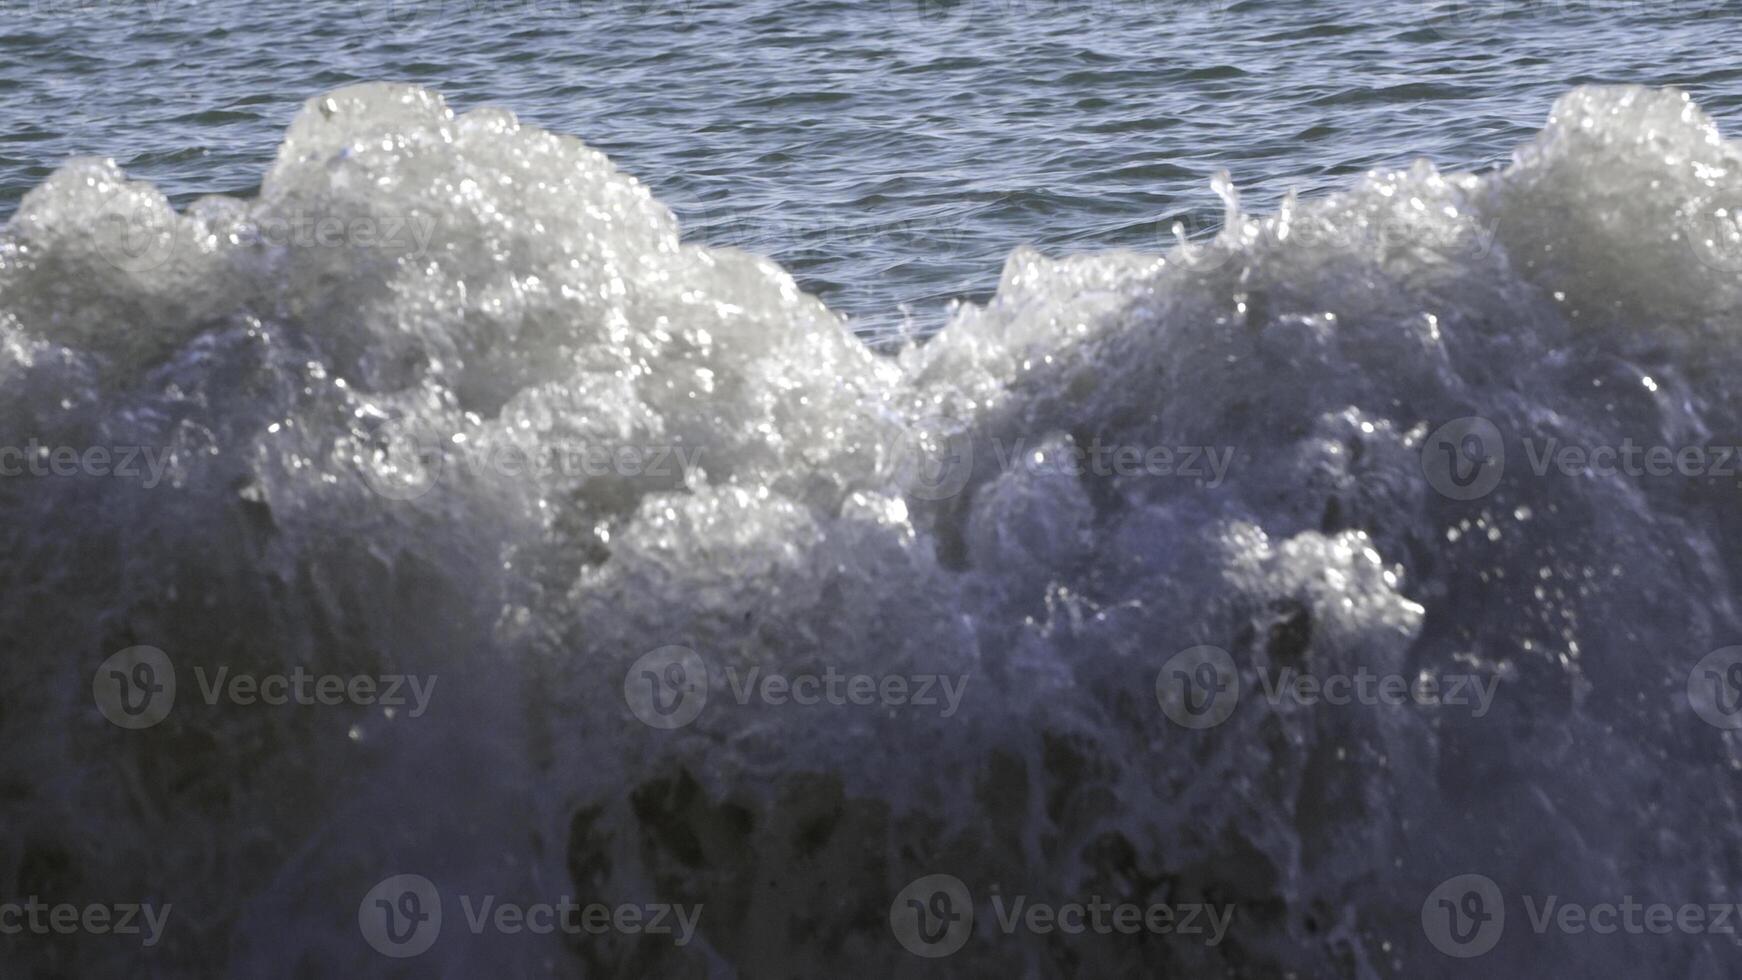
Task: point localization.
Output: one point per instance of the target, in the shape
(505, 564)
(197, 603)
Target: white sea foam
(323, 403)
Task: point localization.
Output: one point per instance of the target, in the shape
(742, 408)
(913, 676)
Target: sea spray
(845, 515)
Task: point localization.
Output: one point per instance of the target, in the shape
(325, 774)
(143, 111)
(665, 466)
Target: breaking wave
(450, 398)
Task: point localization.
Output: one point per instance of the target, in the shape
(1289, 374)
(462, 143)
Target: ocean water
(814, 476)
(889, 153)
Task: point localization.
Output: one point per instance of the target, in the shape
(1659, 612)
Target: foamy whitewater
(321, 410)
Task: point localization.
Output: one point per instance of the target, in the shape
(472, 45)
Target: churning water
(441, 399)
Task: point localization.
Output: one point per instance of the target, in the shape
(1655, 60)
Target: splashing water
(449, 398)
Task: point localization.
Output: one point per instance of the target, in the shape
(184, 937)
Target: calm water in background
(889, 152)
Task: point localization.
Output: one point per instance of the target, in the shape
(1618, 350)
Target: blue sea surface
(890, 153)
